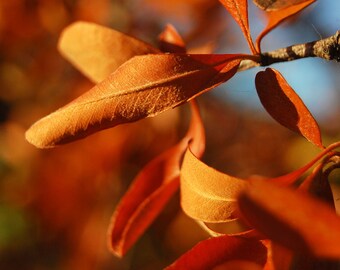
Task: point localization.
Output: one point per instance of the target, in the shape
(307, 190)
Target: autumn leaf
(206, 194)
(275, 17)
(97, 51)
(142, 87)
(215, 251)
(158, 180)
(171, 41)
(285, 106)
(239, 10)
(291, 218)
(151, 190)
(231, 227)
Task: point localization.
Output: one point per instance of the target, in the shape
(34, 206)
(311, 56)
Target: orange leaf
(97, 51)
(277, 17)
(285, 106)
(151, 190)
(291, 218)
(142, 87)
(239, 10)
(171, 41)
(206, 194)
(213, 252)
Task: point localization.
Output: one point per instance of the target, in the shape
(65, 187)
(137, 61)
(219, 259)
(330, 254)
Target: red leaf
(171, 41)
(213, 252)
(291, 218)
(285, 106)
(277, 17)
(142, 87)
(239, 10)
(151, 190)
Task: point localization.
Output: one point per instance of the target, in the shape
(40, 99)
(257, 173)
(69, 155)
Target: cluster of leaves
(248, 219)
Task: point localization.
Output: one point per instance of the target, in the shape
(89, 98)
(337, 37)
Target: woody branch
(327, 48)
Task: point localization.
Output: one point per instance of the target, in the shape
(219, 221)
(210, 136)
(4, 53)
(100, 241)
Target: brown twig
(328, 48)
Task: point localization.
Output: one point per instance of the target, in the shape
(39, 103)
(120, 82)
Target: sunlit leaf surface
(142, 87)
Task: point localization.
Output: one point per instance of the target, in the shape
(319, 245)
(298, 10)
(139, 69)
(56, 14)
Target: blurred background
(55, 205)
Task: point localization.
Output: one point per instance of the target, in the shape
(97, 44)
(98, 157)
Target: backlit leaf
(215, 251)
(151, 189)
(171, 41)
(291, 218)
(285, 106)
(142, 87)
(206, 194)
(277, 17)
(97, 51)
(239, 10)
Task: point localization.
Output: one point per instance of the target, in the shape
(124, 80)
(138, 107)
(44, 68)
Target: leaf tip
(68, 32)
(115, 247)
(37, 136)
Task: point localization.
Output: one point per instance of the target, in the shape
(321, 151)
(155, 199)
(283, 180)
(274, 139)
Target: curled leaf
(284, 215)
(142, 87)
(151, 190)
(215, 251)
(285, 106)
(239, 10)
(206, 194)
(275, 17)
(97, 51)
(233, 227)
